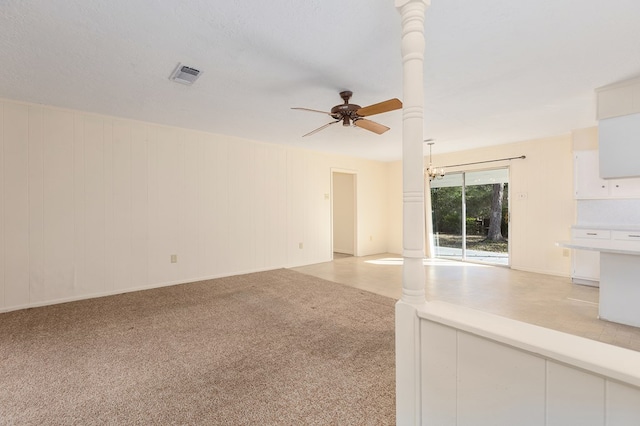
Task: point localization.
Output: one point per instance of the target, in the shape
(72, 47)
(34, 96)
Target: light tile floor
(545, 300)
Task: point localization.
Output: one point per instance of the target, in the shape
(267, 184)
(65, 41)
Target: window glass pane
(446, 204)
(447, 181)
(487, 215)
(485, 177)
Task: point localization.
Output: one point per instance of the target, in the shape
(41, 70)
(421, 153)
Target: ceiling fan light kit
(354, 114)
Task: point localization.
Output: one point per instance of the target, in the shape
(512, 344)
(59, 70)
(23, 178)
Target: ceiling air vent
(184, 74)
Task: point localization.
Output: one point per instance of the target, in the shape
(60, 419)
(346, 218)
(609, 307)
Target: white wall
(93, 205)
(395, 206)
(542, 206)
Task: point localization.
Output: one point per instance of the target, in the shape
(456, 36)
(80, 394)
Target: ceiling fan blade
(313, 110)
(321, 128)
(379, 108)
(372, 126)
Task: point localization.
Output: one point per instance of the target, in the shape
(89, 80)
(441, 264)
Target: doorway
(343, 213)
(470, 212)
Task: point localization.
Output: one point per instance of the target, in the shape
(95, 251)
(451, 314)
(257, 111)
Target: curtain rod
(522, 157)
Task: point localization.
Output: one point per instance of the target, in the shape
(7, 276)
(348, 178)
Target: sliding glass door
(470, 212)
(447, 203)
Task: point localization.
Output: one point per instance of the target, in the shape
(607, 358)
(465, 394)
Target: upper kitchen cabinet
(589, 185)
(619, 129)
(587, 182)
(619, 146)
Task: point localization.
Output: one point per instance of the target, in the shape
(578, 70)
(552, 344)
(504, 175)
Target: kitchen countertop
(609, 246)
(632, 228)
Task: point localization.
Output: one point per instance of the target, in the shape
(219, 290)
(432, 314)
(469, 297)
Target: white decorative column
(412, 12)
(408, 404)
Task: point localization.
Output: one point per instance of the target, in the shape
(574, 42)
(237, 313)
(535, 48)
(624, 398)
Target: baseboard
(343, 252)
(582, 281)
(540, 271)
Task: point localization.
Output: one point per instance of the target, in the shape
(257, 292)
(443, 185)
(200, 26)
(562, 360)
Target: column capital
(401, 3)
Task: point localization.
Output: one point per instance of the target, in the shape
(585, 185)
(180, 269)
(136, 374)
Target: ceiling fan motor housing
(345, 113)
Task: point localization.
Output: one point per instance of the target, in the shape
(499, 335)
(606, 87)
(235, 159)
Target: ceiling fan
(351, 113)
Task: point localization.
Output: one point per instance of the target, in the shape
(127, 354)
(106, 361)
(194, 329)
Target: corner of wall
(585, 139)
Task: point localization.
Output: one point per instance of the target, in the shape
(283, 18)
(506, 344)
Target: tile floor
(545, 300)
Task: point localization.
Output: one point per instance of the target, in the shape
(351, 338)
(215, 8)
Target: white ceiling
(496, 71)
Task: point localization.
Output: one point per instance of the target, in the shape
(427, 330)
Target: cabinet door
(586, 266)
(625, 188)
(618, 139)
(587, 182)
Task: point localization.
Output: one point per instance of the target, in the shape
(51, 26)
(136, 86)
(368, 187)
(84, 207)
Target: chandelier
(432, 172)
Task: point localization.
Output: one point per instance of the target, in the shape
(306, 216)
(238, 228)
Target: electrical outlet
(300, 245)
(370, 237)
(174, 258)
(565, 252)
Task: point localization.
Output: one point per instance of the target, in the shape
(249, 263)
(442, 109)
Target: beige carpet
(269, 348)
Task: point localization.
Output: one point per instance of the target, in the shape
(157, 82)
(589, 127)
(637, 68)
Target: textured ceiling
(496, 71)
